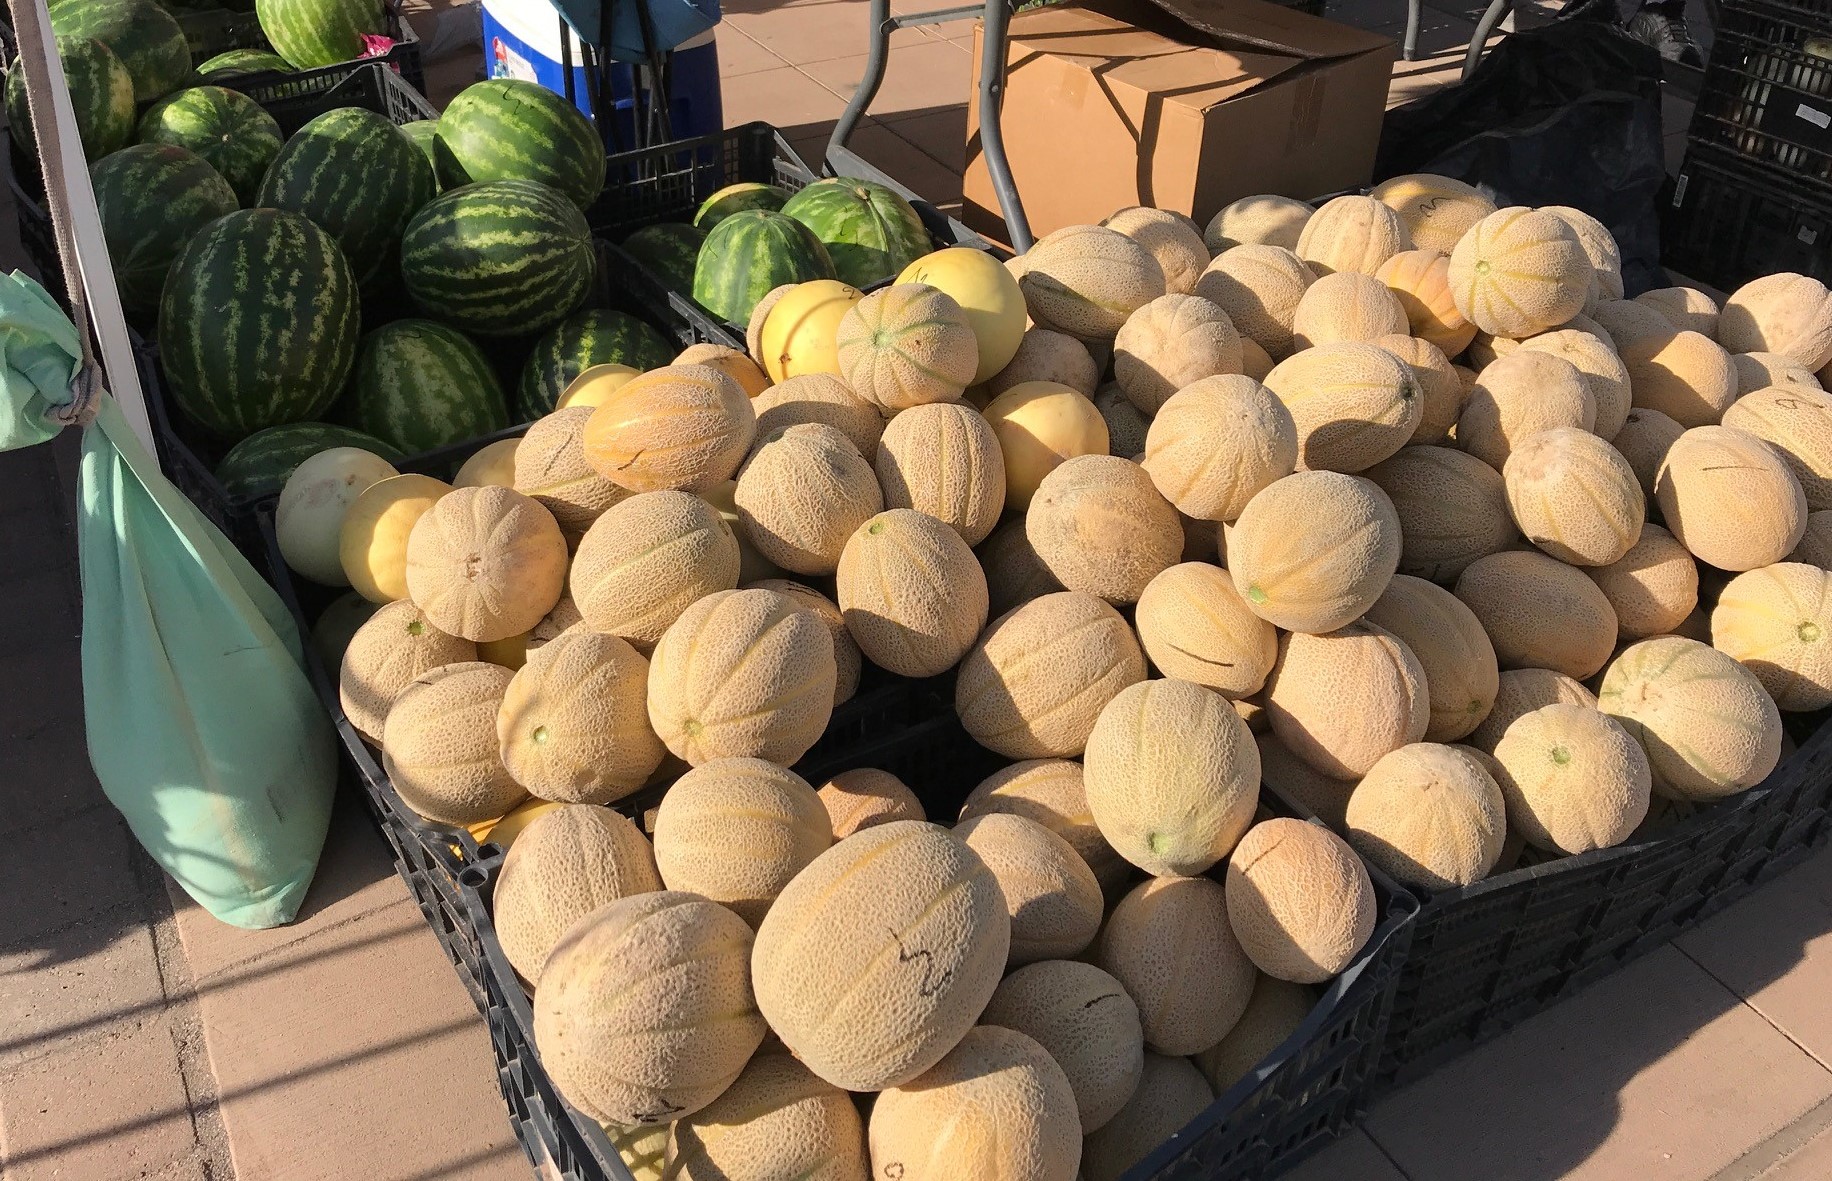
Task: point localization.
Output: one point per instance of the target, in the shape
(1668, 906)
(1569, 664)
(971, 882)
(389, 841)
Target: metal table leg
(1414, 15)
(1485, 27)
(993, 43)
(882, 25)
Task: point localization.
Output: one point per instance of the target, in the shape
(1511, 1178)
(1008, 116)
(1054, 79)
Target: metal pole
(993, 43)
(1414, 13)
(876, 56)
(1484, 29)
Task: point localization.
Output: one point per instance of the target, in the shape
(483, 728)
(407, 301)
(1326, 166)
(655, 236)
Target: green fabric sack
(202, 726)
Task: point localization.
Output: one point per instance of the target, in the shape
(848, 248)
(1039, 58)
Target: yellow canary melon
(1127, 426)
(1039, 425)
(1351, 234)
(1573, 778)
(912, 593)
(1034, 683)
(1172, 776)
(800, 333)
(944, 460)
(1644, 440)
(1598, 364)
(1441, 391)
(1296, 780)
(1518, 272)
(1778, 622)
(1086, 280)
(503, 833)
(1170, 1094)
(1452, 509)
(760, 315)
(682, 427)
(646, 560)
(1170, 238)
(1195, 626)
(1265, 219)
(574, 723)
(1599, 247)
(1053, 898)
(1437, 210)
(1086, 1022)
(1354, 404)
(624, 1052)
(1520, 692)
(1625, 321)
(1259, 287)
(1709, 728)
(594, 384)
(1485, 349)
(511, 652)
(1574, 496)
(563, 865)
(1797, 423)
(742, 674)
(1044, 355)
(1099, 525)
(848, 661)
(372, 542)
(1517, 397)
(819, 398)
(1461, 672)
(1428, 816)
(1299, 900)
(1687, 309)
(1815, 548)
(866, 796)
(737, 831)
(877, 958)
(1273, 1014)
(776, 1120)
(1686, 376)
(1051, 792)
(801, 494)
(1420, 280)
(1361, 663)
(439, 745)
(907, 345)
(1540, 612)
(308, 520)
(1346, 306)
(1170, 945)
(551, 467)
(1014, 573)
(1314, 550)
(1730, 499)
(1653, 587)
(1216, 443)
(1170, 343)
(486, 563)
(1788, 313)
(986, 292)
(996, 1107)
(729, 361)
(1758, 371)
(386, 654)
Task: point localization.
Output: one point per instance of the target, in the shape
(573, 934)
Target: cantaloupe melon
(1034, 683)
(649, 558)
(1420, 280)
(1797, 423)
(1298, 781)
(1170, 1094)
(996, 1107)
(439, 745)
(1170, 944)
(1758, 371)
(1452, 509)
(866, 796)
(1265, 219)
(1708, 726)
(728, 361)
(1685, 376)
(1519, 396)
(986, 291)
(1299, 900)
(801, 332)
(1351, 234)
(1085, 281)
(1216, 443)
(1014, 573)
(1087, 1023)
(801, 494)
(565, 864)
(1194, 625)
(1437, 210)
(1625, 321)
(1126, 425)
(1053, 898)
(912, 593)
(1273, 1014)
(776, 1120)
(1602, 369)
(1599, 247)
(1259, 287)
(1574, 496)
(1540, 612)
(551, 467)
(1312, 551)
(1171, 238)
(1730, 499)
(1255, 362)
(1778, 622)
(907, 345)
(392, 648)
(822, 398)
(372, 542)
(1346, 306)
(944, 461)
(493, 463)
(625, 1053)
(1172, 342)
(848, 663)
(742, 674)
(308, 520)
(1354, 404)
(1687, 309)
(878, 957)
(486, 563)
(574, 724)
(1644, 440)
(736, 831)
(1052, 793)
(752, 566)
(1316, 677)
(1815, 548)
(337, 625)
(1044, 355)
(1428, 816)
(1787, 313)
(1461, 674)
(594, 384)
(1441, 390)
(683, 427)
(1573, 778)
(1100, 525)
(1652, 588)
(1521, 691)
(1519, 272)
(1039, 425)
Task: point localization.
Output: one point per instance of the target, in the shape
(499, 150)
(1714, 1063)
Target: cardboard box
(1178, 104)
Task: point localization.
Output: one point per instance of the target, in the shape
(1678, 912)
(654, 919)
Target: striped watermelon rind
(354, 174)
(595, 336)
(258, 323)
(749, 254)
(153, 198)
(498, 258)
(149, 40)
(669, 251)
(424, 133)
(313, 33)
(239, 63)
(507, 129)
(421, 385)
(736, 199)
(259, 465)
(871, 232)
(228, 129)
(101, 95)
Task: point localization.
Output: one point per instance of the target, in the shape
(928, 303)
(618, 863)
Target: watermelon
(259, 465)
(238, 63)
(101, 94)
(668, 250)
(596, 336)
(507, 129)
(358, 177)
(750, 253)
(154, 198)
(258, 323)
(870, 232)
(421, 386)
(312, 33)
(498, 258)
(425, 135)
(148, 40)
(226, 127)
(736, 199)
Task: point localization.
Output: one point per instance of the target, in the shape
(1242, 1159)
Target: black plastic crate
(1767, 90)
(217, 31)
(1727, 220)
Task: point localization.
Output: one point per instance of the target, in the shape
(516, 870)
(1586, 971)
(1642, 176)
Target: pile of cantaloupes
(1394, 505)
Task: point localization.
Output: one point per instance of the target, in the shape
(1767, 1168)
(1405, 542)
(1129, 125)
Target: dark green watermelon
(736, 199)
(597, 336)
(239, 63)
(870, 232)
(425, 135)
(507, 129)
(749, 254)
(499, 258)
(259, 465)
(101, 95)
(668, 251)
(149, 40)
(421, 386)
(227, 128)
(153, 198)
(312, 33)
